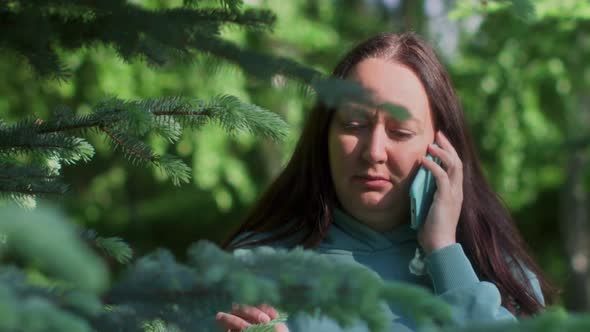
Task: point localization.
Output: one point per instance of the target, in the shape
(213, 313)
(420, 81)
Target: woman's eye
(353, 125)
(402, 134)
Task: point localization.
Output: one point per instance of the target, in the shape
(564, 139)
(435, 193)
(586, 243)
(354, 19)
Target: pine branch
(36, 30)
(259, 65)
(165, 116)
(125, 124)
(33, 187)
(29, 307)
(174, 168)
(24, 137)
(112, 247)
(549, 321)
(20, 173)
(134, 150)
(231, 5)
(41, 236)
(158, 325)
(213, 279)
(235, 117)
(23, 182)
(270, 326)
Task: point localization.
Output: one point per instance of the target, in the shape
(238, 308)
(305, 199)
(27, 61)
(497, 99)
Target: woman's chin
(374, 200)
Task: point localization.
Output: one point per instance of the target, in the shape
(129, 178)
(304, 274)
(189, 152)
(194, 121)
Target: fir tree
(32, 152)
(67, 286)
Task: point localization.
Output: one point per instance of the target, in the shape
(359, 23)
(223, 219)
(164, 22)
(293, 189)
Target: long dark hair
(302, 198)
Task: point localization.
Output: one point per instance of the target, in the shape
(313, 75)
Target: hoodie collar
(370, 238)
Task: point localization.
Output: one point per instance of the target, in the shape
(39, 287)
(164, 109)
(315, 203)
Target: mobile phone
(421, 193)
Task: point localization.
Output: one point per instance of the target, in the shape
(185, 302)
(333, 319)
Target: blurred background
(522, 75)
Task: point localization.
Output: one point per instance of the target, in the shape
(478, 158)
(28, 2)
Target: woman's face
(373, 157)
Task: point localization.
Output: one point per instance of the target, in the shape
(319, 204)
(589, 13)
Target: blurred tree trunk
(575, 233)
(413, 16)
(574, 213)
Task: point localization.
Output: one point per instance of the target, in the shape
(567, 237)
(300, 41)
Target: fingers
(447, 153)
(243, 316)
(231, 322)
(441, 177)
(251, 314)
(270, 311)
(449, 175)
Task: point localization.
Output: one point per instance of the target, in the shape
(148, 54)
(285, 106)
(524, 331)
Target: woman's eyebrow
(412, 119)
(357, 111)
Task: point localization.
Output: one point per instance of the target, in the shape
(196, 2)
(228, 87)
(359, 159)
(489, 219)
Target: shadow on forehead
(392, 111)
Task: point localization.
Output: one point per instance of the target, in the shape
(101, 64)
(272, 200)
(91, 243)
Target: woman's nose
(375, 147)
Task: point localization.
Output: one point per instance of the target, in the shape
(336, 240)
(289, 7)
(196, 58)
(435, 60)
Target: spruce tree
(50, 276)
(33, 151)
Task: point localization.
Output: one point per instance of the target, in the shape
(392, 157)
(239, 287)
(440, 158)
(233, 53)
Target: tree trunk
(574, 216)
(413, 15)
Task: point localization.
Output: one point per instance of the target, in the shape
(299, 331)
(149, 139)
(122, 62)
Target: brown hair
(301, 199)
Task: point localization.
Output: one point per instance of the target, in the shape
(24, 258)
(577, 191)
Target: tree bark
(574, 216)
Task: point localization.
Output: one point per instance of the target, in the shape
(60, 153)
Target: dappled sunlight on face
(372, 154)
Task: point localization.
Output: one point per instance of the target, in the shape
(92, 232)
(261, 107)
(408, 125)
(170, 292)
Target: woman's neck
(382, 220)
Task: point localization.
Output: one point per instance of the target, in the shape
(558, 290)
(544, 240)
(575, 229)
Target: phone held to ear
(421, 194)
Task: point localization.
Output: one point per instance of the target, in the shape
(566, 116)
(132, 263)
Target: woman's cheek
(406, 162)
(348, 145)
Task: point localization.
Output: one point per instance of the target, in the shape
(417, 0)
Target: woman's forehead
(393, 83)
(356, 110)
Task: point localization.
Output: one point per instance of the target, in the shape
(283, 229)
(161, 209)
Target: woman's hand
(440, 228)
(242, 316)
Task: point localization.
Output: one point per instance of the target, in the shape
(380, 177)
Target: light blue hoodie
(450, 274)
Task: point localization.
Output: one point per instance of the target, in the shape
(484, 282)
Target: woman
(346, 187)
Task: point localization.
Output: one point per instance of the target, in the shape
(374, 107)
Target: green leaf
(524, 9)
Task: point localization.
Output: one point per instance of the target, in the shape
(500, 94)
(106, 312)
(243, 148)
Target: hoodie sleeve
(472, 300)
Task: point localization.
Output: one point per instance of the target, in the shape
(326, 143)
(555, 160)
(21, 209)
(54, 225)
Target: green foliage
(270, 326)
(40, 239)
(111, 246)
(523, 86)
(41, 236)
(125, 123)
(157, 293)
(518, 75)
(550, 321)
(518, 105)
(158, 325)
(157, 287)
(523, 9)
(44, 26)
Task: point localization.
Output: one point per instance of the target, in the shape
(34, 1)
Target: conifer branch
(41, 236)
(133, 148)
(256, 64)
(29, 186)
(156, 36)
(213, 279)
(112, 247)
(125, 124)
(23, 138)
(174, 168)
(8, 172)
(67, 301)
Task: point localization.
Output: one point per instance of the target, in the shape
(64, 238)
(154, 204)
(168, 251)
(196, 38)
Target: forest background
(522, 74)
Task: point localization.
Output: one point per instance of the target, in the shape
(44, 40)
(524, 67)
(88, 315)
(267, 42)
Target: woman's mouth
(370, 181)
